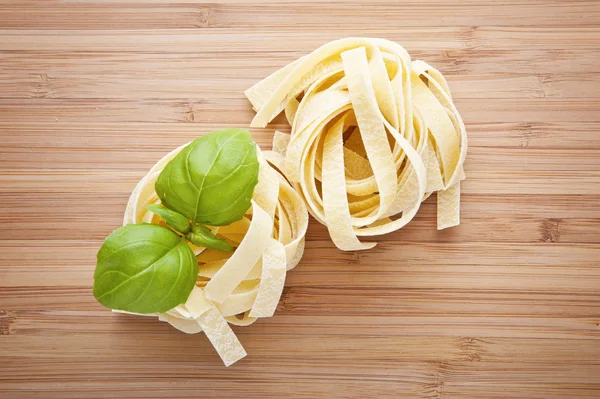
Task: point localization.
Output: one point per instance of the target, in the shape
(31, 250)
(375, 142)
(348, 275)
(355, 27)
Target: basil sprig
(147, 268)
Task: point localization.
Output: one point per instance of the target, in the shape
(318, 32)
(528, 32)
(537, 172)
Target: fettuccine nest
(373, 135)
(241, 286)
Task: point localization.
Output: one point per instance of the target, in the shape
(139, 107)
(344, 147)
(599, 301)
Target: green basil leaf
(172, 218)
(144, 268)
(203, 237)
(212, 179)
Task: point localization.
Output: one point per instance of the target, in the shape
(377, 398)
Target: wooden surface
(507, 305)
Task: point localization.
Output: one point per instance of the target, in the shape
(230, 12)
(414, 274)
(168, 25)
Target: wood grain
(507, 305)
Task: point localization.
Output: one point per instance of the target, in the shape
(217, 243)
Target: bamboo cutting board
(507, 305)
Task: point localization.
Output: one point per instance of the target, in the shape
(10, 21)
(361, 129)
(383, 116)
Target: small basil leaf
(144, 268)
(172, 218)
(212, 179)
(203, 237)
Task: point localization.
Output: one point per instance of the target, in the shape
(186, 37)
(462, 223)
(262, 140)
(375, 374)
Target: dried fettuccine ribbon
(373, 135)
(241, 286)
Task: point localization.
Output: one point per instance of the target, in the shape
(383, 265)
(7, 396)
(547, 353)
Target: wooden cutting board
(507, 305)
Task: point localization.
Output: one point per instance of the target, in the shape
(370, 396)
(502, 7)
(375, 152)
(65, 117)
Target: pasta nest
(241, 286)
(373, 134)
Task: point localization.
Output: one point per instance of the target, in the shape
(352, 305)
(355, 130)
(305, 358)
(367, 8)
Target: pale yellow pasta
(246, 284)
(373, 135)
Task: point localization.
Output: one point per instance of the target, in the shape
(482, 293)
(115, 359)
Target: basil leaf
(144, 268)
(203, 237)
(172, 218)
(212, 179)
